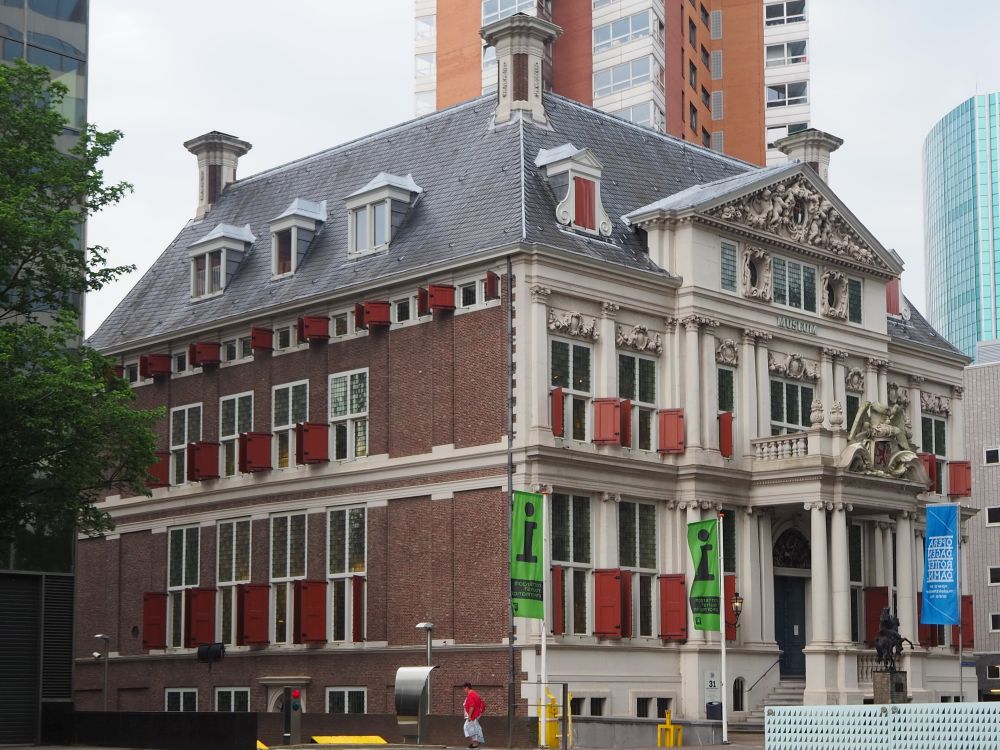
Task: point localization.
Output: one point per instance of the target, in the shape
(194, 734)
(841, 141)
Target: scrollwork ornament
(935, 403)
(833, 295)
(792, 366)
(573, 324)
(727, 353)
(854, 380)
(639, 338)
(757, 274)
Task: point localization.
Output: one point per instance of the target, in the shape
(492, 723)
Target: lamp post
(427, 627)
(107, 649)
(736, 604)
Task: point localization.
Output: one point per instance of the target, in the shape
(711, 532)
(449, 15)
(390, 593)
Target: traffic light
(296, 699)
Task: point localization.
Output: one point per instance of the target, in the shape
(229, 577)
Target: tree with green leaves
(71, 432)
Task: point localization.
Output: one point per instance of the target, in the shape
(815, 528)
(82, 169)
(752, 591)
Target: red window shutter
(968, 627)
(492, 285)
(926, 634)
(202, 461)
(608, 603)
(556, 409)
(673, 607)
(585, 208)
(441, 296)
(154, 365)
(252, 606)
(607, 421)
(261, 339)
(625, 607)
(930, 466)
(892, 297)
(119, 371)
(423, 302)
(312, 444)
(377, 314)
(729, 590)
(255, 452)
(359, 317)
(558, 600)
(626, 425)
(159, 470)
(199, 607)
(204, 353)
(726, 434)
(358, 609)
(154, 620)
(876, 599)
(671, 423)
(313, 328)
(960, 478)
(310, 612)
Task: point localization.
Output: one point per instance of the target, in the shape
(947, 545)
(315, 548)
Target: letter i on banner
(706, 588)
(941, 595)
(526, 559)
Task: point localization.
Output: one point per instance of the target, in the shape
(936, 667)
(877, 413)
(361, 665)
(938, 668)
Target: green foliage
(46, 195)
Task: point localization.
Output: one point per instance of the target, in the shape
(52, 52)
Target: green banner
(703, 539)
(526, 564)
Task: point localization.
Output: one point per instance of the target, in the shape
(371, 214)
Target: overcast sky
(299, 76)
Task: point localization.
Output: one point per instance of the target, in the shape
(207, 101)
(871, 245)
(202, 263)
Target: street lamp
(107, 649)
(427, 627)
(736, 604)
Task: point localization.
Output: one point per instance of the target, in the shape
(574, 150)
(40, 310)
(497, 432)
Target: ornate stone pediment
(795, 210)
(933, 403)
(879, 442)
(638, 338)
(792, 366)
(573, 324)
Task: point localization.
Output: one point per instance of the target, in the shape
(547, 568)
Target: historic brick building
(686, 334)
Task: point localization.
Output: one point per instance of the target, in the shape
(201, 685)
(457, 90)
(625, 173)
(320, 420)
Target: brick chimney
(217, 155)
(812, 147)
(520, 42)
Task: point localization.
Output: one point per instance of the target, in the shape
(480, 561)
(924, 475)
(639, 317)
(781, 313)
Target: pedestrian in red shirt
(473, 707)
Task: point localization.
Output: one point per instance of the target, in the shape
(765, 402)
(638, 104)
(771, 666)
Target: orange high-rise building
(732, 75)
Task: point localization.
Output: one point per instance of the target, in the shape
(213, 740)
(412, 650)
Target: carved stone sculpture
(816, 413)
(638, 338)
(792, 366)
(837, 415)
(727, 353)
(833, 297)
(933, 403)
(879, 442)
(756, 275)
(855, 379)
(573, 324)
(898, 394)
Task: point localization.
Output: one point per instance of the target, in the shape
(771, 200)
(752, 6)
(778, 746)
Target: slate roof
(918, 331)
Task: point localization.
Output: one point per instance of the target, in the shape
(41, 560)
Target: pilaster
(751, 579)
(906, 604)
(871, 379)
(826, 387)
(692, 385)
(606, 375)
(956, 426)
(820, 581)
(539, 337)
(709, 385)
(840, 574)
(915, 384)
(746, 404)
(763, 386)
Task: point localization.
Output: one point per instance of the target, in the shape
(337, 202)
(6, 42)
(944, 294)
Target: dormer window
(291, 234)
(575, 178)
(377, 210)
(215, 258)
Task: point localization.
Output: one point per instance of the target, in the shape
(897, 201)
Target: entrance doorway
(790, 624)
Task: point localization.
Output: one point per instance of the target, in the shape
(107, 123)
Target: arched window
(739, 689)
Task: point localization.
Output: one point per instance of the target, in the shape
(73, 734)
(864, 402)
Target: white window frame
(732, 372)
(988, 508)
(516, 6)
(229, 441)
(227, 584)
(345, 691)
(425, 65)
(176, 606)
(369, 245)
(232, 695)
(424, 29)
(396, 302)
(715, 24)
(210, 288)
(786, 100)
(241, 349)
(802, 284)
(986, 457)
(348, 318)
(715, 67)
(861, 300)
(286, 430)
(344, 577)
(993, 671)
(991, 621)
(734, 247)
(785, 426)
(573, 567)
(784, 18)
(285, 329)
(570, 394)
(989, 575)
(130, 371)
(639, 408)
(638, 571)
(623, 30)
(787, 58)
(285, 583)
(478, 285)
(181, 692)
(179, 362)
(941, 459)
(644, 114)
(178, 447)
(628, 74)
(354, 422)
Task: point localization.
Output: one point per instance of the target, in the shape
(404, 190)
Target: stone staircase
(788, 692)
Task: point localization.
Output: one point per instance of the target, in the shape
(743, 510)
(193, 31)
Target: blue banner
(940, 603)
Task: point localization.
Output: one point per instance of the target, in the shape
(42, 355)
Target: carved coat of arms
(879, 441)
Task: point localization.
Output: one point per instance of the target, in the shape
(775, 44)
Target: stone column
(766, 576)
(826, 387)
(918, 580)
(956, 426)
(878, 556)
(763, 387)
(915, 411)
(840, 574)
(820, 630)
(840, 381)
(692, 385)
(693, 516)
(871, 380)
(667, 364)
(883, 382)
(906, 603)
(710, 386)
(749, 581)
(747, 403)
(606, 369)
(538, 321)
(887, 563)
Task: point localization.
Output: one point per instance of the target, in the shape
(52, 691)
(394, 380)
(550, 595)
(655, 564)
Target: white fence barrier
(911, 726)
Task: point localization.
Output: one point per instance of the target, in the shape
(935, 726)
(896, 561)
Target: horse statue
(889, 643)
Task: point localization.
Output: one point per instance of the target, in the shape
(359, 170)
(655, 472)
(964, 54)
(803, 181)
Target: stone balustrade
(777, 447)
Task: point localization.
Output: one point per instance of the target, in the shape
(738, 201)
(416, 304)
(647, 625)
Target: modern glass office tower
(962, 222)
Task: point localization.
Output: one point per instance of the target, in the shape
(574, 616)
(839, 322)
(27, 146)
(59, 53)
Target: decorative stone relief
(540, 293)
(792, 551)
(833, 295)
(879, 442)
(957, 391)
(834, 353)
(837, 415)
(611, 497)
(573, 324)
(898, 394)
(754, 333)
(757, 274)
(792, 366)
(727, 353)
(795, 210)
(855, 379)
(638, 338)
(816, 413)
(933, 403)
(610, 309)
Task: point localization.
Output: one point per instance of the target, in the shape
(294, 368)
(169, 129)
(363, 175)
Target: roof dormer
(215, 258)
(291, 233)
(377, 210)
(574, 174)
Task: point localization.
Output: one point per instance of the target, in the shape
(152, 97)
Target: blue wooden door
(790, 624)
